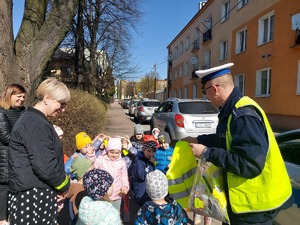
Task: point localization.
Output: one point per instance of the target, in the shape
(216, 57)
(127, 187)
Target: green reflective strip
(183, 177)
(63, 183)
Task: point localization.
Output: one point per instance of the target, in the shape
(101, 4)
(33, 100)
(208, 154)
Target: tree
(102, 30)
(146, 84)
(44, 25)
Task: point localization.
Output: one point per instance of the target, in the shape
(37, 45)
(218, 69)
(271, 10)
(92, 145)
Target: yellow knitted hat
(82, 140)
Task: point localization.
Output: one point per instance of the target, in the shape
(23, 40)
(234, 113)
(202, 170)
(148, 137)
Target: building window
(242, 3)
(263, 82)
(207, 58)
(181, 48)
(175, 74)
(187, 43)
(239, 81)
(180, 71)
(179, 93)
(195, 93)
(185, 94)
(176, 52)
(225, 11)
(298, 79)
(241, 41)
(223, 50)
(266, 28)
(174, 93)
(186, 68)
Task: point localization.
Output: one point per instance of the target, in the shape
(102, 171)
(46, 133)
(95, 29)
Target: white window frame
(239, 81)
(241, 41)
(181, 48)
(207, 59)
(266, 28)
(179, 93)
(187, 43)
(242, 3)
(185, 92)
(186, 68)
(225, 10)
(298, 79)
(223, 50)
(180, 71)
(195, 91)
(263, 75)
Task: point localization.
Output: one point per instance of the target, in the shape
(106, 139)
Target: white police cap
(214, 72)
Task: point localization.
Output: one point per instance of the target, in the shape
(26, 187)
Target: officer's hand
(197, 149)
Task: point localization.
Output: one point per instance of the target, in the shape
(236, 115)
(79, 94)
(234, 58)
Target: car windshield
(151, 104)
(197, 108)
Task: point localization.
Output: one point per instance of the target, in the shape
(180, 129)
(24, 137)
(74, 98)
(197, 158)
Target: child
(137, 138)
(84, 150)
(113, 163)
(142, 165)
(128, 154)
(161, 209)
(164, 153)
(96, 208)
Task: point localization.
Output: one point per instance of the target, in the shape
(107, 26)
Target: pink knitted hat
(114, 144)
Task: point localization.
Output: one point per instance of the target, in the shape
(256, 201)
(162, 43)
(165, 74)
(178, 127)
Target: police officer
(257, 183)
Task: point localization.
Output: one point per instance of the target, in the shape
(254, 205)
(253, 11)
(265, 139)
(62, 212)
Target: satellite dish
(194, 60)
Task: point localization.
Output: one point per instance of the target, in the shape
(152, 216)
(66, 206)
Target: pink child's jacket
(117, 169)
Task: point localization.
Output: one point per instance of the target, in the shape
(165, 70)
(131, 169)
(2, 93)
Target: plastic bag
(207, 196)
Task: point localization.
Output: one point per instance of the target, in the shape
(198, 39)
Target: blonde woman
(11, 103)
(37, 178)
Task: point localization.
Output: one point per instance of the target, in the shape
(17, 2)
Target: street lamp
(154, 67)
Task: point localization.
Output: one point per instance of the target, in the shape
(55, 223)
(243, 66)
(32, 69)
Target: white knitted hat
(156, 185)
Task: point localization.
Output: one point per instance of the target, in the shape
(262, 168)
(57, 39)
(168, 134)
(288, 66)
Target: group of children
(108, 171)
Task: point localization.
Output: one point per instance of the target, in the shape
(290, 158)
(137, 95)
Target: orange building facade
(261, 38)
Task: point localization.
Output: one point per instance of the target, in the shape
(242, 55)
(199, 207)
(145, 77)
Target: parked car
(132, 106)
(289, 144)
(144, 110)
(125, 103)
(185, 117)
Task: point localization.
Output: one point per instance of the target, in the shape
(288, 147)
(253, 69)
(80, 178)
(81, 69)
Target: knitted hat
(138, 129)
(58, 130)
(96, 182)
(156, 185)
(149, 144)
(114, 144)
(80, 166)
(164, 137)
(82, 140)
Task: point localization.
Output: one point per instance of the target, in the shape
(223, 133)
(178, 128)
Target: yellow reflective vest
(271, 188)
(181, 173)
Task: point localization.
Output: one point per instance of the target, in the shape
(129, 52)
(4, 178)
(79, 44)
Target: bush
(83, 113)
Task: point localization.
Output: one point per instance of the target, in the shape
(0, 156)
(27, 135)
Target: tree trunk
(40, 34)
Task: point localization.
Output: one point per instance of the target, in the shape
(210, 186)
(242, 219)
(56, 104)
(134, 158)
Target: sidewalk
(120, 124)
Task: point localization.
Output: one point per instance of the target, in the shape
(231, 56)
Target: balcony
(195, 45)
(207, 36)
(170, 63)
(169, 83)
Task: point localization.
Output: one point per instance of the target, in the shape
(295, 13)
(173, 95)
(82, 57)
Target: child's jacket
(170, 213)
(97, 213)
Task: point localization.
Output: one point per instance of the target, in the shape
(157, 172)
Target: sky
(160, 24)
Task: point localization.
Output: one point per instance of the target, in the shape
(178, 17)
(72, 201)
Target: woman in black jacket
(11, 103)
(37, 179)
